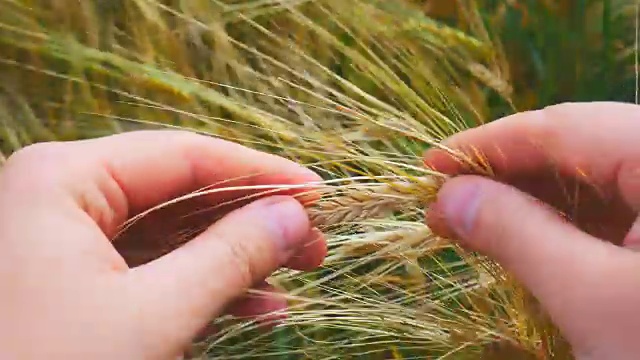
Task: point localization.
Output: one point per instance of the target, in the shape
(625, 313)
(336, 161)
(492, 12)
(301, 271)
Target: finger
(311, 254)
(560, 265)
(632, 239)
(266, 304)
(115, 176)
(596, 142)
(189, 286)
(156, 238)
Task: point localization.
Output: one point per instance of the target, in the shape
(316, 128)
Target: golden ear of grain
(352, 87)
(347, 205)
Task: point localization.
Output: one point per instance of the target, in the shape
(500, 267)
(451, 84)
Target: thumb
(557, 262)
(179, 293)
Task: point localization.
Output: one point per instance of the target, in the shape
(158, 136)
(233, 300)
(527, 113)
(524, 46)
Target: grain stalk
(347, 204)
(356, 90)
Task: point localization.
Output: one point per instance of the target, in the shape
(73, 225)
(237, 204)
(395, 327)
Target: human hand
(67, 293)
(582, 160)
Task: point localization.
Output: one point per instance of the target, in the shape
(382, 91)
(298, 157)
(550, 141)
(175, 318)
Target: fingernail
(460, 204)
(288, 222)
(437, 222)
(632, 239)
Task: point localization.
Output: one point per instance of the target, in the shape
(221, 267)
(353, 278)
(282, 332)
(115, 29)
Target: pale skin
(587, 277)
(68, 292)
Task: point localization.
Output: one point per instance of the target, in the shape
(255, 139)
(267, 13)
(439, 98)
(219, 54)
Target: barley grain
(350, 204)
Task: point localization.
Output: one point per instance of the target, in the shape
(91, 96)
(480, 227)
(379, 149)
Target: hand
(67, 293)
(578, 160)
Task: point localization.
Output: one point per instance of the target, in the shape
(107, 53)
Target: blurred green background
(72, 69)
(543, 52)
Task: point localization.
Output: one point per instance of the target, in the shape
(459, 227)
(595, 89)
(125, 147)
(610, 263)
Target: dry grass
(355, 90)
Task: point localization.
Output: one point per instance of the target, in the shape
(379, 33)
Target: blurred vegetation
(348, 87)
(541, 53)
(559, 51)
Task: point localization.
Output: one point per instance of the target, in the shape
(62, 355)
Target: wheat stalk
(270, 82)
(348, 204)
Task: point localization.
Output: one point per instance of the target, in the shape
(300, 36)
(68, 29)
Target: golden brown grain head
(354, 90)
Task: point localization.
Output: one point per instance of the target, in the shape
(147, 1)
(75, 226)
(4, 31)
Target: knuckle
(35, 153)
(483, 230)
(241, 262)
(490, 227)
(556, 118)
(36, 163)
(179, 138)
(545, 128)
(189, 137)
(192, 144)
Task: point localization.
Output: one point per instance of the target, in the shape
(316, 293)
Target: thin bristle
(361, 202)
(354, 90)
